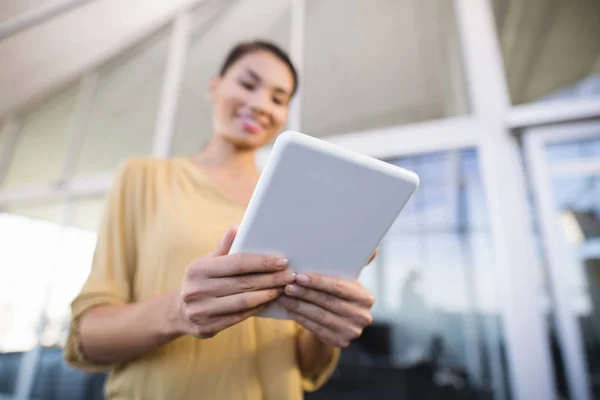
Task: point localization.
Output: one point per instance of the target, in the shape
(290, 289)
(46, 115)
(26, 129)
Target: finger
(249, 283)
(226, 241)
(244, 263)
(338, 287)
(242, 301)
(316, 314)
(323, 333)
(225, 321)
(332, 303)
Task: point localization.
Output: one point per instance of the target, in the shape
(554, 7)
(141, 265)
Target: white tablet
(321, 206)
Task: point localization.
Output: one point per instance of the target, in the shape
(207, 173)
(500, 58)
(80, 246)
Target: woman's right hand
(220, 290)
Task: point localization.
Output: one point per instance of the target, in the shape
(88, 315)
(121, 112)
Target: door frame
(541, 173)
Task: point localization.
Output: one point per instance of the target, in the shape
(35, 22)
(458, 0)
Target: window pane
(576, 196)
(123, 117)
(574, 149)
(401, 263)
(550, 49)
(217, 29)
(404, 68)
(369, 278)
(79, 241)
(30, 238)
(41, 145)
(435, 204)
(472, 211)
(439, 291)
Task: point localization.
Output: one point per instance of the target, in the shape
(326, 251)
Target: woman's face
(251, 99)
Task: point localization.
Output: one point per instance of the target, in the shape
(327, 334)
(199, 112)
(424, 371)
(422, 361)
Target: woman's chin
(246, 141)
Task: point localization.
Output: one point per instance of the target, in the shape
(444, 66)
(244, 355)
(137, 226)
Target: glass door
(564, 167)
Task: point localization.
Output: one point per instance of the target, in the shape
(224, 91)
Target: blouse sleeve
(316, 378)
(113, 264)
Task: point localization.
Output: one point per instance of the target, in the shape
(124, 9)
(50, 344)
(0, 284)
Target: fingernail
(281, 262)
(290, 277)
(303, 279)
(291, 289)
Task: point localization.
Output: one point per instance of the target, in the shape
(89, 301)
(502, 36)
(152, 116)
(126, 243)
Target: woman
(166, 309)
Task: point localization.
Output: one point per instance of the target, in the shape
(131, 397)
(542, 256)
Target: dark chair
(54, 379)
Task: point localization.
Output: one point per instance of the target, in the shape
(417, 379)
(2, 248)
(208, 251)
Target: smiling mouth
(251, 125)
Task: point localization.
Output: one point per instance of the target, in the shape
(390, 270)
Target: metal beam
(81, 114)
(528, 350)
(571, 345)
(11, 129)
(551, 112)
(457, 199)
(385, 143)
(75, 188)
(297, 35)
(167, 111)
(102, 57)
(37, 16)
(404, 140)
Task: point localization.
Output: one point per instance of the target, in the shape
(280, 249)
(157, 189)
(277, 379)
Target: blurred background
(487, 286)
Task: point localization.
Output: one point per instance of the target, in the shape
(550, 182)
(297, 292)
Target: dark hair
(243, 48)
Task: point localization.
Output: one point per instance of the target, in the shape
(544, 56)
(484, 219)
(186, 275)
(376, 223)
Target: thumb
(226, 241)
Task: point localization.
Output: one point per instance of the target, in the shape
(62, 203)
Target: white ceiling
(547, 44)
(41, 60)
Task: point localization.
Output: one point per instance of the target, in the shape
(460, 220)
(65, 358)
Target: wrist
(173, 321)
(312, 340)
(312, 351)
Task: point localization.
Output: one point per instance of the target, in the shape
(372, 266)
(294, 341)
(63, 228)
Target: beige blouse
(160, 215)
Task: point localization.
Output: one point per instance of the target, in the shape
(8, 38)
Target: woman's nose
(259, 101)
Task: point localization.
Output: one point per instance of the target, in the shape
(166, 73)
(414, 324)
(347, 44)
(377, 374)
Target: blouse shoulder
(141, 173)
(139, 167)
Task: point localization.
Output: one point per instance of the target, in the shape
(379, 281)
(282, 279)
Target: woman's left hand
(334, 309)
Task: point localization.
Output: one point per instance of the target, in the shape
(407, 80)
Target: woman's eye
(277, 101)
(247, 85)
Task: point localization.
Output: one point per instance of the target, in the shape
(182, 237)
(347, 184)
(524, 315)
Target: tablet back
(323, 207)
